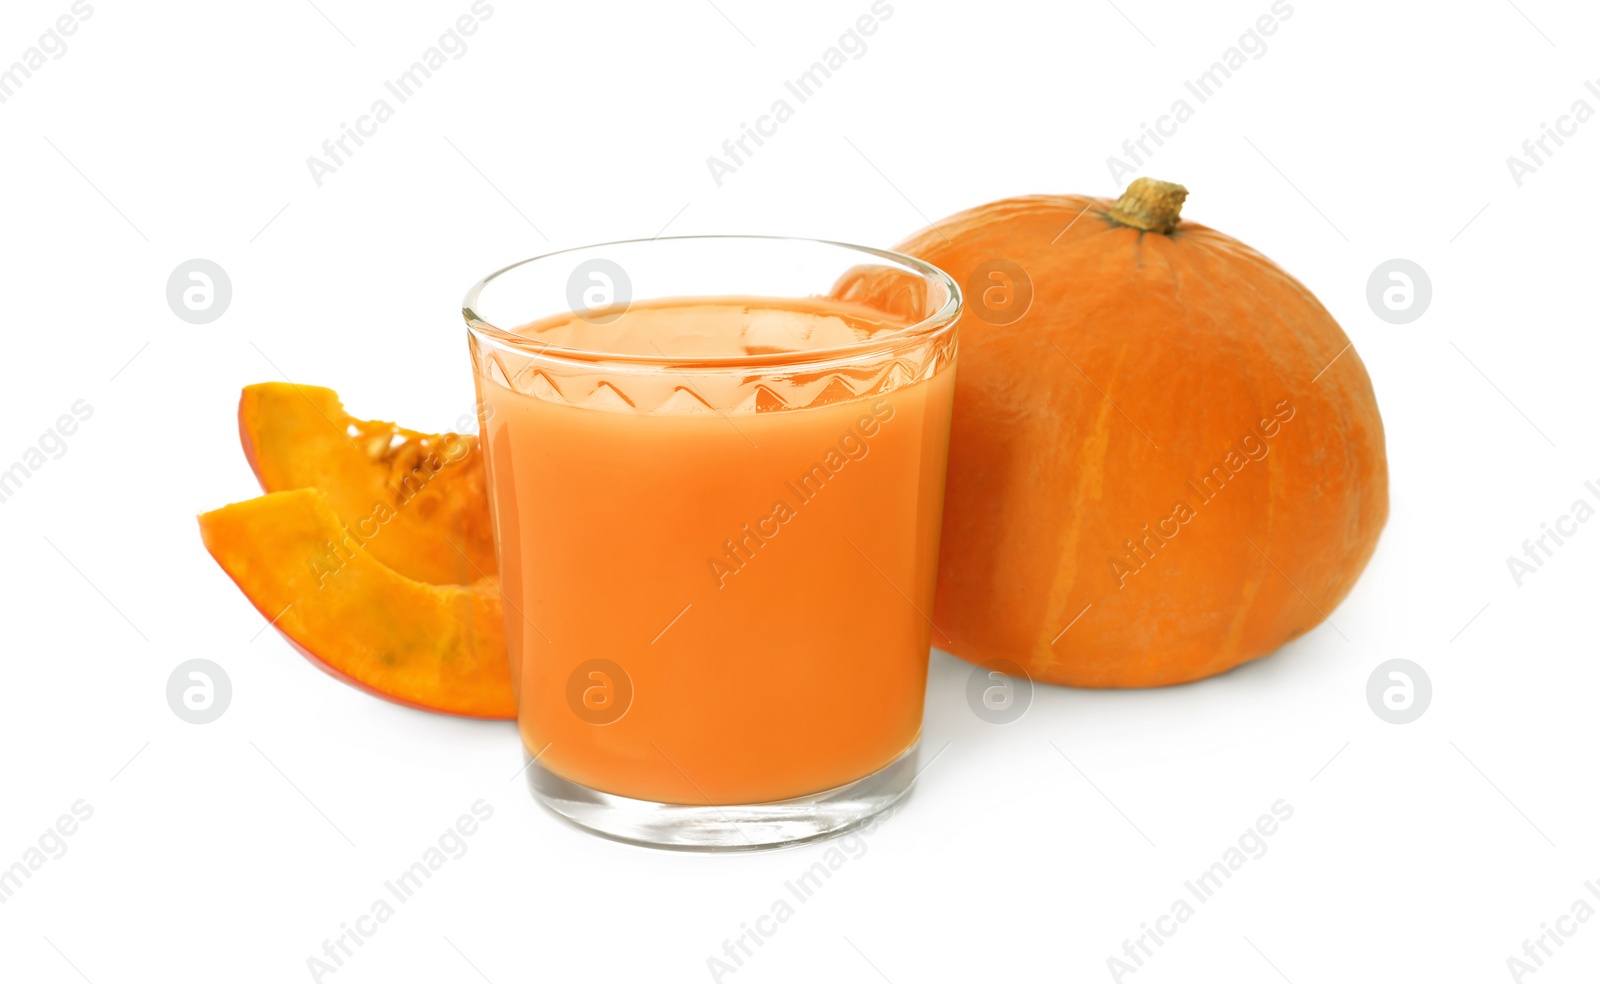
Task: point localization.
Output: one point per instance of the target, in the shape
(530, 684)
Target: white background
(230, 851)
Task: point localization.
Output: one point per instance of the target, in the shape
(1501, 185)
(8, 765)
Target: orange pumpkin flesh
(436, 647)
(1144, 377)
(421, 496)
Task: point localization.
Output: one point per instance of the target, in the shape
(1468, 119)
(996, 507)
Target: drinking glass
(716, 469)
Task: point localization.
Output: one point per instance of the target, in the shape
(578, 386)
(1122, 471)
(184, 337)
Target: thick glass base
(744, 827)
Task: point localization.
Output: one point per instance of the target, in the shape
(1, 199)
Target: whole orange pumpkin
(1166, 458)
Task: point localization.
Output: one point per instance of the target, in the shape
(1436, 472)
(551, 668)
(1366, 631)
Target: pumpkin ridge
(1055, 599)
(1177, 284)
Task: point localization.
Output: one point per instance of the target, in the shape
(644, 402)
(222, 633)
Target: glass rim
(941, 319)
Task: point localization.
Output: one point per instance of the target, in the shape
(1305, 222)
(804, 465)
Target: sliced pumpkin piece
(424, 492)
(430, 646)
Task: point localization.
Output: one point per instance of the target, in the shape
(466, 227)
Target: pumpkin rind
(435, 647)
(1143, 361)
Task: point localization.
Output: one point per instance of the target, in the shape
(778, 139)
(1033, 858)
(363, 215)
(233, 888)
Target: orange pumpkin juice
(716, 584)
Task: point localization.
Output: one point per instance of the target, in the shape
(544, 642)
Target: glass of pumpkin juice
(716, 470)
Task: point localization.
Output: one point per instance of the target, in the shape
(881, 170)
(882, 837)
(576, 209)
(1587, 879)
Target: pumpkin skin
(425, 493)
(1086, 430)
(433, 647)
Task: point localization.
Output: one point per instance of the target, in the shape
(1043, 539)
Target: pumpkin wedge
(423, 492)
(430, 646)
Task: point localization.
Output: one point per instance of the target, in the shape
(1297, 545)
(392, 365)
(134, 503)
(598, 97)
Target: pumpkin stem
(1150, 205)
